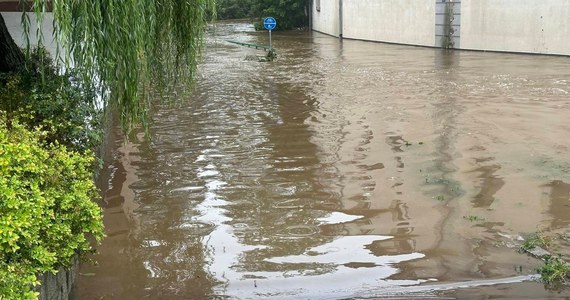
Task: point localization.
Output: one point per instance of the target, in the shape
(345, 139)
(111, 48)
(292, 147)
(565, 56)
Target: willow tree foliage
(126, 48)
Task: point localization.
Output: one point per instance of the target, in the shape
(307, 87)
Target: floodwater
(340, 170)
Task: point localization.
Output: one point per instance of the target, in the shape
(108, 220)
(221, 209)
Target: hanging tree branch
(125, 47)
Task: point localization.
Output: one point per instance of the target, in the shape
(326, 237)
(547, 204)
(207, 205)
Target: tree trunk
(11, 56)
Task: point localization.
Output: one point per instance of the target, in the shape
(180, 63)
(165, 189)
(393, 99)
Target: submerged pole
(340, 19)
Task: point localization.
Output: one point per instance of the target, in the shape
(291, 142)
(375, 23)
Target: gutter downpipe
(310, 14)
(340, 19)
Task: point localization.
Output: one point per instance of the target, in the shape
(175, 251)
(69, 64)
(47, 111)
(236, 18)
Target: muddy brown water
(340, 170)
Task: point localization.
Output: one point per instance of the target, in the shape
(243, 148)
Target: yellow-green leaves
(46, 208)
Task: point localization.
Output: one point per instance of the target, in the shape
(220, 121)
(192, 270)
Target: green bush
(47, 214)
(555, 270)
(40, 96)
(289, 14)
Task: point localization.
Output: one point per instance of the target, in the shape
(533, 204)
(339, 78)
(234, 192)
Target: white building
(527, 26)
(12, 14)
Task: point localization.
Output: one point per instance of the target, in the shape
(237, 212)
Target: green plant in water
(555, 270)
(473, 218)
(537, 239)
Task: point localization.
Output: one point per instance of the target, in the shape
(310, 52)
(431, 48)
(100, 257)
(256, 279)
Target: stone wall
(58, 286)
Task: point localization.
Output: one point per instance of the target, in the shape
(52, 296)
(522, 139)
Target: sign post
(269, 23)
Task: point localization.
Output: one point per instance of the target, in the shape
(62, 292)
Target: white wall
(528, 26)
(536, 26)
(326, 20)
(14, 25)
(395, 21)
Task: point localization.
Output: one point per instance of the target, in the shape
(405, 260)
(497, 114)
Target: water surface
(340, 170)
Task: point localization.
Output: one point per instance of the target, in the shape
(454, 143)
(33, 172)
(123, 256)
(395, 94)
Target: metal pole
(270, 47)
(340, 17)
(310, 15)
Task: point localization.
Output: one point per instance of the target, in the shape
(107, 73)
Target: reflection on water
(559, 209)
(339, 170)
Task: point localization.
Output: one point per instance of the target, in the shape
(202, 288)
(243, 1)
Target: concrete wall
(14, 24)
(527, 26)
(58, 286)
(326, 20)
(516, 25)
(395, 21)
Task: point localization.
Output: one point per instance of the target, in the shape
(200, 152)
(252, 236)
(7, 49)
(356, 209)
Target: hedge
(47, 212)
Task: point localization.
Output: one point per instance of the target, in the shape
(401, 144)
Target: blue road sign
(269, 23)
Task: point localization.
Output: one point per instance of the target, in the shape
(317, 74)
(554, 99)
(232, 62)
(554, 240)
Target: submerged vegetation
(555, 271)
(473, 218)
(536, 239)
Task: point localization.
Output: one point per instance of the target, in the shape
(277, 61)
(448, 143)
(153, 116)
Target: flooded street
(340, 170)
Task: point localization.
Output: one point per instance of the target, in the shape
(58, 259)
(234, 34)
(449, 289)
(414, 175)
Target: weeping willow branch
(123, 48)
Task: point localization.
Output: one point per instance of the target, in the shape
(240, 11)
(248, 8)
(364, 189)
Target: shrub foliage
(48, 126)
(39, 96)
(290, 14)
(46, 208)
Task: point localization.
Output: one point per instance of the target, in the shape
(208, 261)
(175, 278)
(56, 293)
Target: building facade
(525, 26)
(12, 13)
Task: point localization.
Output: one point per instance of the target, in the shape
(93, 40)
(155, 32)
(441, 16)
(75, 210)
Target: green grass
(537, 239)
(555, 270)
(473, 218)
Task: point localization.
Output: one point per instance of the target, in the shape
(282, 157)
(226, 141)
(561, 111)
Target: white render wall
(526, 26)
(516, 25)
(14, 24)
(326, 20)
(394, 21)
